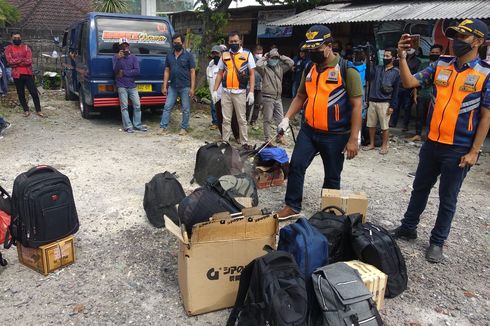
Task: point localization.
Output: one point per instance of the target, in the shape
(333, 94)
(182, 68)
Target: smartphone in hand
(415, 41)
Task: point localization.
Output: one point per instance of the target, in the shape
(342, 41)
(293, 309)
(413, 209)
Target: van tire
(69, 96)
(85, 109)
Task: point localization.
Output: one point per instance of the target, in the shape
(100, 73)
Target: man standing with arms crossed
(458, 124)
(236, 72)
(333, 90)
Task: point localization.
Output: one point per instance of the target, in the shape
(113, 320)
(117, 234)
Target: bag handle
(40, 169)
(245, 277)
(334, 207)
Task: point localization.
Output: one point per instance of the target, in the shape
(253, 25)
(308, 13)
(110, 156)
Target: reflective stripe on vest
(327, 107)
(456, 113)
(230, 77)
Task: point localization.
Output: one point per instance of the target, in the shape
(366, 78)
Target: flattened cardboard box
(268, 176)
(49, 257)
(374, 279)
(350, 201)
(210, 262)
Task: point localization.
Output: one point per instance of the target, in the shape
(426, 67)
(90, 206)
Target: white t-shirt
(250, 65)
(211, 72)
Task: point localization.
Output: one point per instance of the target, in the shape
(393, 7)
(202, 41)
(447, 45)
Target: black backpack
(337, 229)
(343, 297)
(162, 193)
(374, 245)
(272, 292)
(216, 160)
(43, 208)
(201, 204)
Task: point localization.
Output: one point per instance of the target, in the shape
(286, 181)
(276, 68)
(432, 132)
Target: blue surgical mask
(272, 62)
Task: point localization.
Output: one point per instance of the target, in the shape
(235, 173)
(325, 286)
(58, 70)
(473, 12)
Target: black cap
(474, 27)
(316, 36)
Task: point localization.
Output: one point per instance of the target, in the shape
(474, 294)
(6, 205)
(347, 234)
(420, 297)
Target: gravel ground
(126, 270)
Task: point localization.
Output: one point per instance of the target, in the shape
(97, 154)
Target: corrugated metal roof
(356, 13)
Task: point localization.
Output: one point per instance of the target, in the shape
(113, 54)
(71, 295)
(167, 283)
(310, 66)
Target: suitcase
(43, 208)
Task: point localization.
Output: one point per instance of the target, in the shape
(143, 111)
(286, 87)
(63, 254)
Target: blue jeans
(405, 105)
(169, 104)
(214, 116)
(436, 159)
(133, 95)
(308, 144)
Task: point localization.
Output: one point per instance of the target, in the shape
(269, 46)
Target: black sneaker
(404, 234)
(434, 254)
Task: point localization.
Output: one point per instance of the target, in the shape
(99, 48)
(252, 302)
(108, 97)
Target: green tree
(8, 13)
(114, 6)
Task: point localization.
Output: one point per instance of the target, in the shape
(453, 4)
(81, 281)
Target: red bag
(4, 224)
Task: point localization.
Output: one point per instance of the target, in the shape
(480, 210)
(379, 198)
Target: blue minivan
(89, 47)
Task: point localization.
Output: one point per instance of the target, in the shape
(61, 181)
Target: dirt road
(126, 270)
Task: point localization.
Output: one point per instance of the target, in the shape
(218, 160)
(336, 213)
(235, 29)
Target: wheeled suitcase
(43, 208)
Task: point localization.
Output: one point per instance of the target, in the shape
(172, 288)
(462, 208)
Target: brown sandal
(26, 113)
(42, 115)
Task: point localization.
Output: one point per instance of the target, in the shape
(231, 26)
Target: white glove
(214, 97)
(250, 98)
(283, 127)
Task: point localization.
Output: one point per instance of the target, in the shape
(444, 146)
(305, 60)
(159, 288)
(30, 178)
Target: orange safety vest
(327, 107)
(456, 103)
(235, 78)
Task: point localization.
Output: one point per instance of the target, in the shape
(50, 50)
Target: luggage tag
(333, 76)
(470, 83)
(443, 77)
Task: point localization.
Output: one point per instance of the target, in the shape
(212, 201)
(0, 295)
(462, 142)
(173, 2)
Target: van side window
(83, 45)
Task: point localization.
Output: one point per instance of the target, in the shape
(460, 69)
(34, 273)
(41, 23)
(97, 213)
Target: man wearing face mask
(383, 96)
(423, 95)
(126, 68)
(211, 72)
(458, 124)
(237, 76)
(406, 95)
(272, 68)
(332, 90)
(19, 58)
(179, 79)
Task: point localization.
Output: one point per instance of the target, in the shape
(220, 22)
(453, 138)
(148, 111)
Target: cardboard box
(268, 176)
(210, 263)
(350, 201)
(49, 257)
(374, 279)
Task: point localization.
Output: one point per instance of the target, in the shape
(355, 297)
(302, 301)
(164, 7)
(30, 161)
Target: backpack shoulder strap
(245, 278)
(343, 64)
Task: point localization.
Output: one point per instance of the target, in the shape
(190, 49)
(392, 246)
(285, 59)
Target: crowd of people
(451, 94)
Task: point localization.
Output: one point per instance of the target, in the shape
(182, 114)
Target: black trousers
(20, 84)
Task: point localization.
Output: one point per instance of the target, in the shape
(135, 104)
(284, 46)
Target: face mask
(433, 57)
(410, 51)
(387, 61)
(272, 62)
(258, 55)
(317, 57)
(126, 53)
(234, 47)
(17, 41)
(216, 60)
(460, 48)
(178, 47)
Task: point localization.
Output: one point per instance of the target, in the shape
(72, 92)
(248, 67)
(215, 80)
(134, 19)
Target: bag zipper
(360, 322)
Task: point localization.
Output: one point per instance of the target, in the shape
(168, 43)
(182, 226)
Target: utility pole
(148, 7)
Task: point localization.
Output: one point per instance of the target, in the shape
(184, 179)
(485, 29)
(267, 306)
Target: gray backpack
(343, 298)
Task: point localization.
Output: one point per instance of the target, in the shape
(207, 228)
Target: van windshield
(145, 37)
